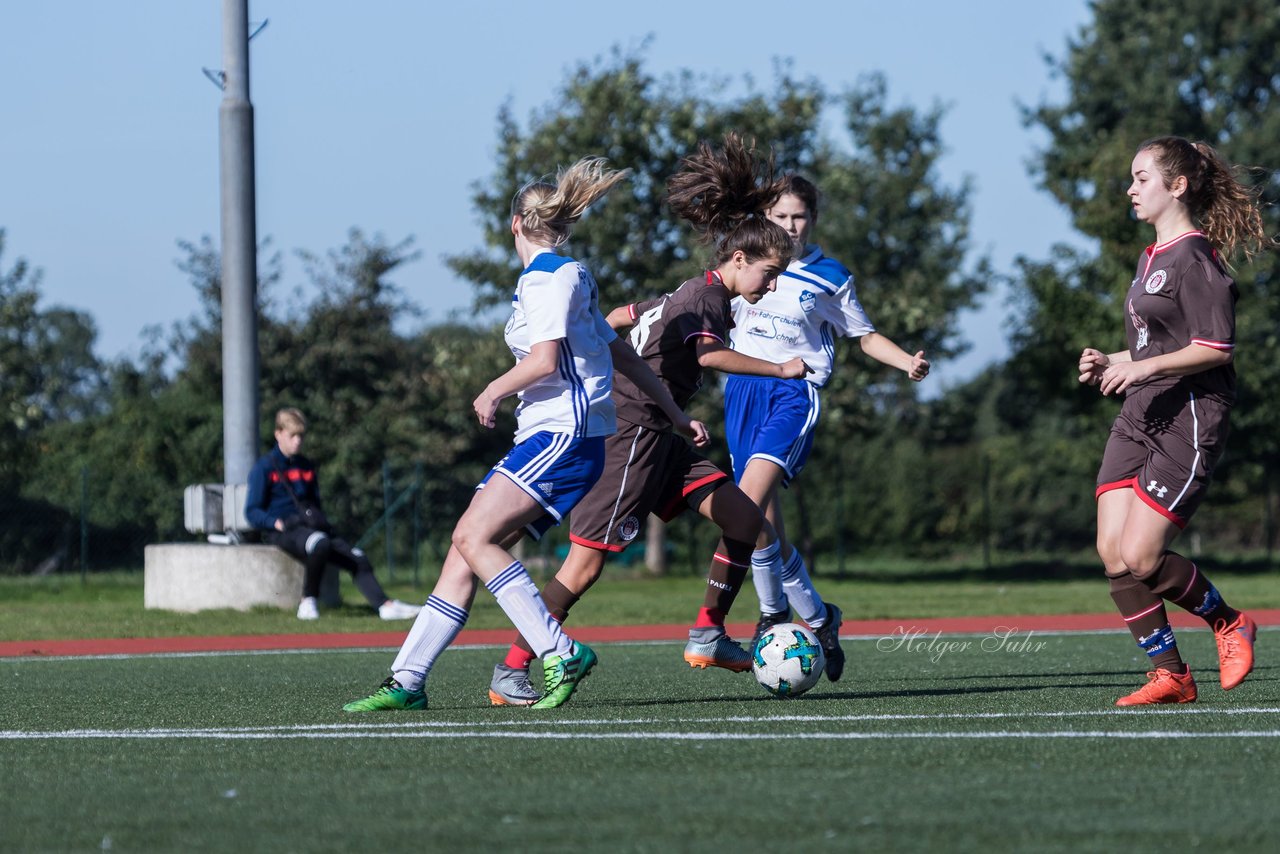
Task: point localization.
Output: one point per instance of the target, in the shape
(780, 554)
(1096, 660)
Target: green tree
(379, 392)
(634, 245)
(47, 368)
(48, 375)
(346, 365)
(159, 429)
(18, 385)
(886, 213)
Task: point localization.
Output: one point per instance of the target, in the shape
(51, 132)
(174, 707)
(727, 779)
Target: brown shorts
(1164, 446)
(645, 471)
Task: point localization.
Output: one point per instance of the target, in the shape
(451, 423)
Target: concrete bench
(190, 577)
(225, 572)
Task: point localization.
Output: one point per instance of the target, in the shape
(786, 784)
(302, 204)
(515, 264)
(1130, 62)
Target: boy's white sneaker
(307, 609)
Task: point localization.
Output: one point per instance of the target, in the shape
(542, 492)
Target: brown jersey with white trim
(665, 333)
(1182, 295)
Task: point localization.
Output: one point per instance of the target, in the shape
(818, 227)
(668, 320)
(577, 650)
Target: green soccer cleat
(560, 676)
(390, 696)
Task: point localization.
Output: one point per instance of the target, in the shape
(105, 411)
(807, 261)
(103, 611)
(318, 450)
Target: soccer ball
(788, 660)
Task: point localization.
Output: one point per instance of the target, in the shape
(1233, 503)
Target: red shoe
(1235, 649)
(1164, 687)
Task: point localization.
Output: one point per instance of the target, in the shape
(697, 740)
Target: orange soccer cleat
(709, 646)
(1235, 649)
(1164, 687)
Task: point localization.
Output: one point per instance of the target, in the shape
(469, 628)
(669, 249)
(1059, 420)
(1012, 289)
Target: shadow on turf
(1055, 675)
(1124, 681)
(817, 695)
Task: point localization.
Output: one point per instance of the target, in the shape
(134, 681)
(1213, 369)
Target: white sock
(518, 597)
(438, 623)
(800, 591)
(766, 574)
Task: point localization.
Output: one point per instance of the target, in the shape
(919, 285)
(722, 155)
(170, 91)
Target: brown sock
(559, 600)
(1181, 582)
(1144, 614)
(729, 568)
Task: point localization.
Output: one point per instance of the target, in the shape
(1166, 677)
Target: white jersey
(814, 304)
(556, 299)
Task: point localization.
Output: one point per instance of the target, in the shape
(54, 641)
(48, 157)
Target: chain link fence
(407, 533)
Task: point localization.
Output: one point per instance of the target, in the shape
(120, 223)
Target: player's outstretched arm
(716, 356)
(628, 363)
(886, 352)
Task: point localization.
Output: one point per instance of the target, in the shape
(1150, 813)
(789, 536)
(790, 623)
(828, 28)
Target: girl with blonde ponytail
(565, 353)
(548, 211)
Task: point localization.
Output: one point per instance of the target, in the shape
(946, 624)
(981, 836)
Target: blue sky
(381, 116)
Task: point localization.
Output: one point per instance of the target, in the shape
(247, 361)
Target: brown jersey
(665, 332)
(1181, 295)
(1171, 431)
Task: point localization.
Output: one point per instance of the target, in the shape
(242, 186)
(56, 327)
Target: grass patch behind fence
(109, 605)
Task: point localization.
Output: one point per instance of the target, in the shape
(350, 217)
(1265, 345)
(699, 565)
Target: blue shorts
(555, 470)
(770, 419)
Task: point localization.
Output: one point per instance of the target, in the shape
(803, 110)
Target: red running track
(852, 628)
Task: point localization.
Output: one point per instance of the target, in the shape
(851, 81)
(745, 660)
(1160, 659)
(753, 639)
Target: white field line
(634, 735)
(575, 728)
(129, 656)
(221, 653)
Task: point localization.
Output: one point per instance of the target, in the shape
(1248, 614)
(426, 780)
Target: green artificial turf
(956, 743)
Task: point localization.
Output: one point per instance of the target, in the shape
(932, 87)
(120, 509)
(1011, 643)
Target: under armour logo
(1157, 489)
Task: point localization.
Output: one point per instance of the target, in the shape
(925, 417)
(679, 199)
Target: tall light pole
(239, 250)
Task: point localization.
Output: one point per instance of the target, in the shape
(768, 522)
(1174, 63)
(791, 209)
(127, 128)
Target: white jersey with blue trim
(814, 303)
(556, 299)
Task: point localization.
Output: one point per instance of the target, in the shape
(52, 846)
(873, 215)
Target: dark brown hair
(803, 189)
(723, 192)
